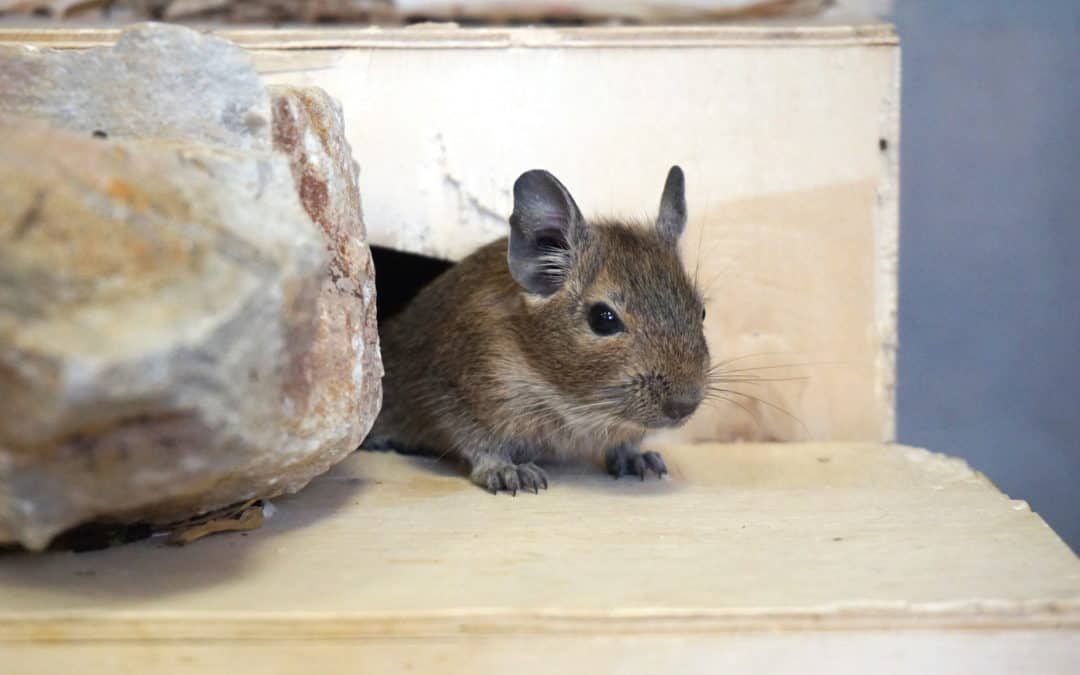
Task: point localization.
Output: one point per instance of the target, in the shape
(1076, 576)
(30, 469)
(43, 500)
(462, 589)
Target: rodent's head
(611, 317)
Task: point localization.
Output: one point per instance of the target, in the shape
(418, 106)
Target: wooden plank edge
(444, 37)
(299, 625)
(886, 223)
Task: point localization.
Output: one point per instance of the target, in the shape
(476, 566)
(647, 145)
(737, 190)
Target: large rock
(157, 80)
(183, 324)
(342, 369)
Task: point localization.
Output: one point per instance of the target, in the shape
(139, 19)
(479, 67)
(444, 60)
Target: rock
(343, 369)
(183, 325)
(158, 80)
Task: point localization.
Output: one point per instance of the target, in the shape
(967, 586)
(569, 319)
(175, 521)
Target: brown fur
(480, 369)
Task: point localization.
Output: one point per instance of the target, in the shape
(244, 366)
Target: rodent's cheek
(615, 348)
(610, 361)
(613, 342)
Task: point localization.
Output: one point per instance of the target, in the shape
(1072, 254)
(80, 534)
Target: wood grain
(746, 537)
(777, 558)
(776, 653)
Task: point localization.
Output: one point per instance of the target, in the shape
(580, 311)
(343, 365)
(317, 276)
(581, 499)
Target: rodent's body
(461, 379)
(505, 360)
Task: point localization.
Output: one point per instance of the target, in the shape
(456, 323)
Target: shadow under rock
(151, 568)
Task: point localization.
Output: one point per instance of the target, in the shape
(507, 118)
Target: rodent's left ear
(672, 219)
(544, 227)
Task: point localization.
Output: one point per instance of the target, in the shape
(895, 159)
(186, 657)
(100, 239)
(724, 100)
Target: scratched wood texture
(854, 549)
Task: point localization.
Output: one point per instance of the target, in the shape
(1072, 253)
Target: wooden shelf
(449, 35)
(763, 553)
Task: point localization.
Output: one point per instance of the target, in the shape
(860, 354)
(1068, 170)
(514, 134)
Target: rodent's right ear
(672, 219)
(543, 229)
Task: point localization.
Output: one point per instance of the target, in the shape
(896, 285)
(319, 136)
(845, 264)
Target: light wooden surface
(914, 652)
(851, 550)
(788, 135)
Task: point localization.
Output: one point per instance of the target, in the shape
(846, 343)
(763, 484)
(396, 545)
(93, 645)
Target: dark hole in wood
(400, 276)
(883, 144)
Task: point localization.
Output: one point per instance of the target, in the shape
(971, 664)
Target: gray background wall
(990, 243)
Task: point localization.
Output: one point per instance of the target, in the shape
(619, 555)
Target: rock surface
(171, 341)
(158, 80)
(343, 369)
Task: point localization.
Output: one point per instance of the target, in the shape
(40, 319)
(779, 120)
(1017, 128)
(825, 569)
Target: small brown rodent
(567, 339)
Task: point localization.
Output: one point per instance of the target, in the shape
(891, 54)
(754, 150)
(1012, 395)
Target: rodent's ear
(545, 225)
(672, 219)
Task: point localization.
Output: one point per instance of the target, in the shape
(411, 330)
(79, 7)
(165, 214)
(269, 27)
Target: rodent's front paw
(625, 460)
(511, 477)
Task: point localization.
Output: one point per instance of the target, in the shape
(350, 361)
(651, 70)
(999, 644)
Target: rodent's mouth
(650, 421)
(665, 423)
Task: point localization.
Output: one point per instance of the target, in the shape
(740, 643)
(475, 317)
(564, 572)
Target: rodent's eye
(603, 320)
(702, 313)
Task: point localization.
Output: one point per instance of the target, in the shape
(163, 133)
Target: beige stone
(158, 80)
(343, 367)
(187, 313)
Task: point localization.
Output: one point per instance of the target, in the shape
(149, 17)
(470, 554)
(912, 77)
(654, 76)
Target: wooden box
(842, 555)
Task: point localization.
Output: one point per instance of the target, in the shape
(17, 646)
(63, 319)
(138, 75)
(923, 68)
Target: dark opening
(400, 276)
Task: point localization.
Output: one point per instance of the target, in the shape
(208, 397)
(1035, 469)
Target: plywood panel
(826, 653)
(790, 154)
(741, 537)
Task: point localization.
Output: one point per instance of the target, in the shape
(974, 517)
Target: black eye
(702, 313)
(603, 320)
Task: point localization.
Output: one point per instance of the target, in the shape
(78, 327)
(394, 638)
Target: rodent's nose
(679, 408)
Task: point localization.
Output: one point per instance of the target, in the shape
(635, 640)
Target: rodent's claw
(511, 478)
(616, 462)
(655, 462)
(532, 476)
(624, 461)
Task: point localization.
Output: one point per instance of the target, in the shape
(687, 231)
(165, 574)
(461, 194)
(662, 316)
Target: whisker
(749, 379)
(749, 356)
(777, 366)
(751, 413)
(763, 402)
